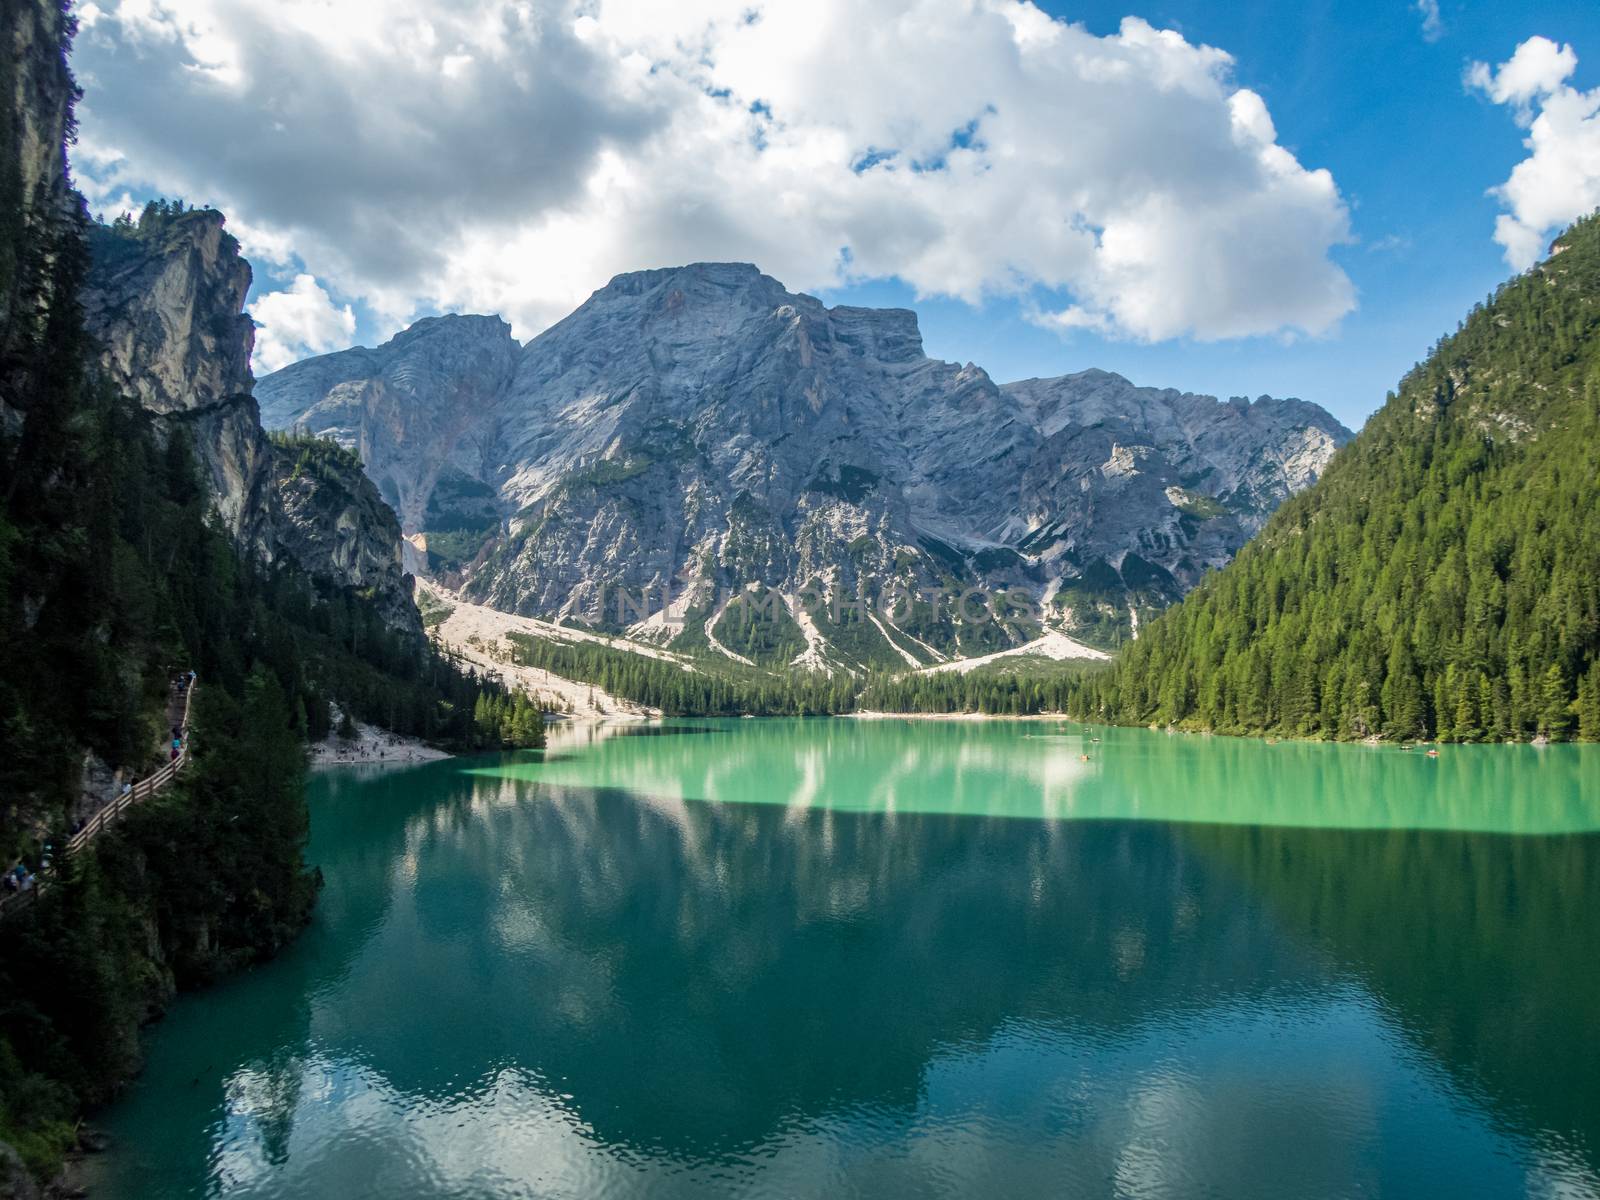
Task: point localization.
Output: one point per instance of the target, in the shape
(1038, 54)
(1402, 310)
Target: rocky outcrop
(165, 302)
(703, 427)
(1178, 480)
(39, 107)
(336, 526)
(16, 1183)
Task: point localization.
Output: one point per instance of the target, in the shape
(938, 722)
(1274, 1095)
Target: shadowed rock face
(703, 423)
(415, 409)
(332, 521)
(165, 300)
(1178, 479)
(38, 208)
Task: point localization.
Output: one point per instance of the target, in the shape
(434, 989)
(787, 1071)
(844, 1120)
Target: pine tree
(1466, 714)
(1443, 575)
(1402, 695)
(1555, 709)
(1588, 705)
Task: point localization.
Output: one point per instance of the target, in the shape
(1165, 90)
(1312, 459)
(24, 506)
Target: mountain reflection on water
(1058, 769)
(561, 988)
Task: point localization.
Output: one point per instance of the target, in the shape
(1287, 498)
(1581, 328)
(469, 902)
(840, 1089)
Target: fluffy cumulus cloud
(1559, 181)
(511, 155)
(302, 319)
(1537, 69)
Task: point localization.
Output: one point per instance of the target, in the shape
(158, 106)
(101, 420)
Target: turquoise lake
(850, 958)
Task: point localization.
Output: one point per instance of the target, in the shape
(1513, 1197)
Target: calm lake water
(882, 959)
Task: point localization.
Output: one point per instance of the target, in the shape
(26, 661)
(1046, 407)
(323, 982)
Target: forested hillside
(115, 574)
(719, 687)
(716, 688)
(1443, 577)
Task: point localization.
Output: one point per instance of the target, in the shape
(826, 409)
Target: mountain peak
(730, 276)
(889, 334)
(473, 326)
(886, 333)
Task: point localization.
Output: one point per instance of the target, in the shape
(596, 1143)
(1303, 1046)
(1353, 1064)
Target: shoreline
(876, 715)
(372, 746)
(477, 635)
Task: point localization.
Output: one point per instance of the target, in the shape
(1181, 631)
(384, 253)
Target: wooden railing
(151, 785)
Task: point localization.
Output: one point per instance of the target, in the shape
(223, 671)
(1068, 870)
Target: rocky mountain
(415, 409)
(1440, 581)
(164, 301)
(1159, 485)
(700, 439)
(166, 304)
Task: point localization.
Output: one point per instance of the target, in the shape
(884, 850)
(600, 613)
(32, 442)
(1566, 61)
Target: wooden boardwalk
(152, 785)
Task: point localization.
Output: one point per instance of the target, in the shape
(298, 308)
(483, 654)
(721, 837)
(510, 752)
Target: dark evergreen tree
(1442, 578)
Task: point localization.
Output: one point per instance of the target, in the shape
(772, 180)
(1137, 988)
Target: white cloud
(1559, 181)
(1537, 68)
(1432, 23)
(298, 321)
(510, 157)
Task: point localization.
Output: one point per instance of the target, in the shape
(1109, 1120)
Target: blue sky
(387, 159)
(1356, 88)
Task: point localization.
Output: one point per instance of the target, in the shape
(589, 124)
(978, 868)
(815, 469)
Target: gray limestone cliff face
(165, 301)
(334, 523)
(39, 211)
(39, 107)
(1181, 481)
(417, 408)
(705, 426)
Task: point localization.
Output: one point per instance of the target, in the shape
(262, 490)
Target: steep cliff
(416, 408)
(165, 301)
(690, 433)
(39, 211)
(334, 523)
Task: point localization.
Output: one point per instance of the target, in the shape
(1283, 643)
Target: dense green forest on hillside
(717, 687)
(1442, 579)
(713, 689)
(114, 575)
(1017, 687)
